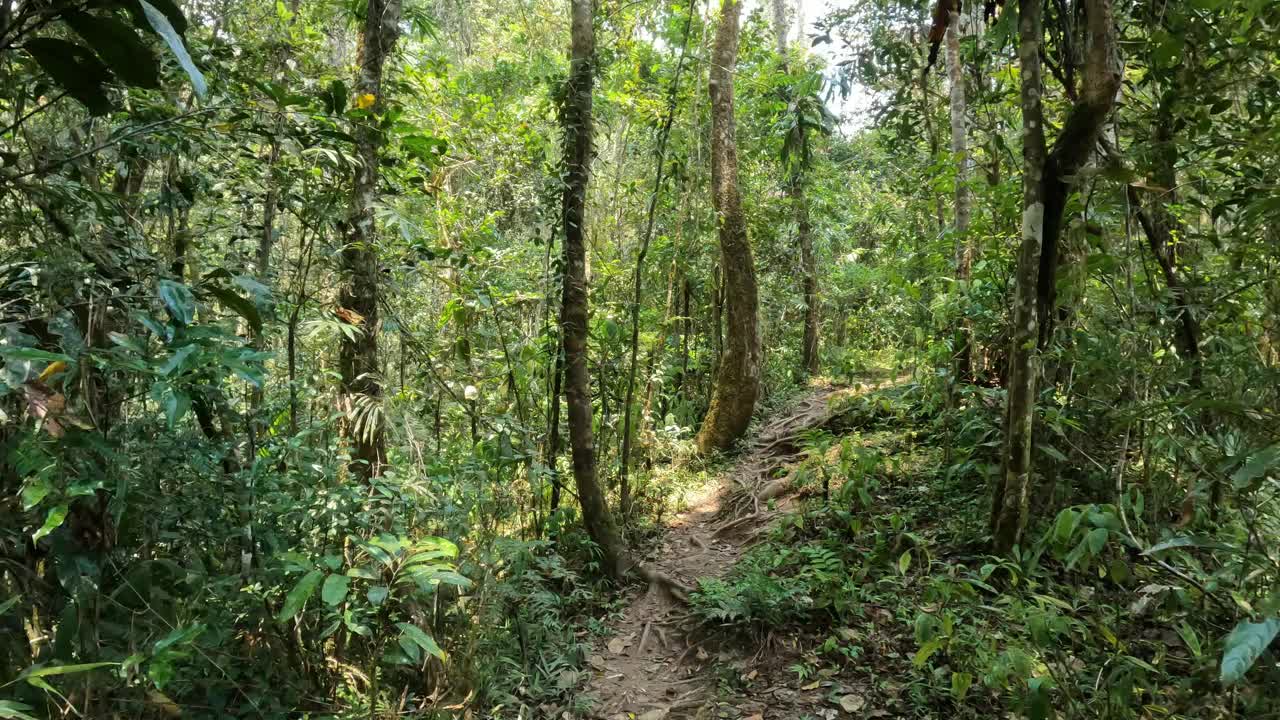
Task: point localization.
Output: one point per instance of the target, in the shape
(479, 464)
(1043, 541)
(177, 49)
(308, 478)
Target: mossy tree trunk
(1047, 181)
(737, 382)
(577, 122)
(358, 356)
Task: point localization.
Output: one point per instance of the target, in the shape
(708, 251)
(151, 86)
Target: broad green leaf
(299, 595)
(178, 300)
(420, 638)
(29, 353)
(179, 636)
(1258, 465)
(118, 46)
(1186, 541)
(335, 589)
(4, 606)
(176, 405)
(242, 307)
(51, 522)
(377, 594)
(904, 562)
(1097, 539)
(922, 656)
(13, 710)
(160, 22)
(1244, 646)
(74, 69)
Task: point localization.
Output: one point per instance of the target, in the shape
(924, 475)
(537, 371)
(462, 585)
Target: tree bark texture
(1010, 500)
(1048, 179)
(358, 356)
(963, 366)
(576, 118)
(1075, 145)
(737, 382)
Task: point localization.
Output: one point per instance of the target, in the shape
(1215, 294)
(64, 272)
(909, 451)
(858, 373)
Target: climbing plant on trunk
(737, 381)
(359, 296)
(1047, 181)
(577, 126)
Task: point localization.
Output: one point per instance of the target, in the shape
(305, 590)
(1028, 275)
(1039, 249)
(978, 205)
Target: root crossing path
(652, 666)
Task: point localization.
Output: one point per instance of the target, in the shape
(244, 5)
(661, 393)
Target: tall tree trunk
(1010, 500)
(1075, 145)
(963, 365)
(809, 266)
(664, 133)
(1047, 182)
(358, 357)
(800, 209)
(737, 383)
(576, 117)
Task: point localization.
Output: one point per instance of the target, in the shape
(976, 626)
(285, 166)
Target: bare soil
(656, 665)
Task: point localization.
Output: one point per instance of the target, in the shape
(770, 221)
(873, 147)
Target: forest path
(651, 668)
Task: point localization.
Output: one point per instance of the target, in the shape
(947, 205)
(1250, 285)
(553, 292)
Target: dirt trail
(649, 668)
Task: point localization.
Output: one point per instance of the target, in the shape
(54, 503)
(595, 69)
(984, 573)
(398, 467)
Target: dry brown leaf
(617, 645)
(596, 662)
(348, 316)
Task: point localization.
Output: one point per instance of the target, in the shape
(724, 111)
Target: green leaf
(1258, 465)
(242, 307)
(160, 22)
(927, 651)
(299, 595)
(37, 671)
(178, 300)
(13, 710)
(1190, 639)
(29, 353)
(51, 522)
(377, 594)
(335, 589)
(1244, 646)
(1097, 539)
(1186, 541)
(4, 606)
(118, 46)
(904, 562)
(176, 405)
(74, 69)
(415, 635)
(179, 636)
(170, 10)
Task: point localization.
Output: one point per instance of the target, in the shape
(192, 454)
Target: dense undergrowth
(890, 585)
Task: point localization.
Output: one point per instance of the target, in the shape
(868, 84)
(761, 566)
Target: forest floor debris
(654, 665)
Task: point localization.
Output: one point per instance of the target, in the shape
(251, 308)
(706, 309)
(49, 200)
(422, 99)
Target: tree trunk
(1047, 182)
(1010, 500)
(809, 266)
(800, 208)
(576, 117)
(737, 380)
(358, 357)
(624, 487)
(1075, 145)
(963, 365)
